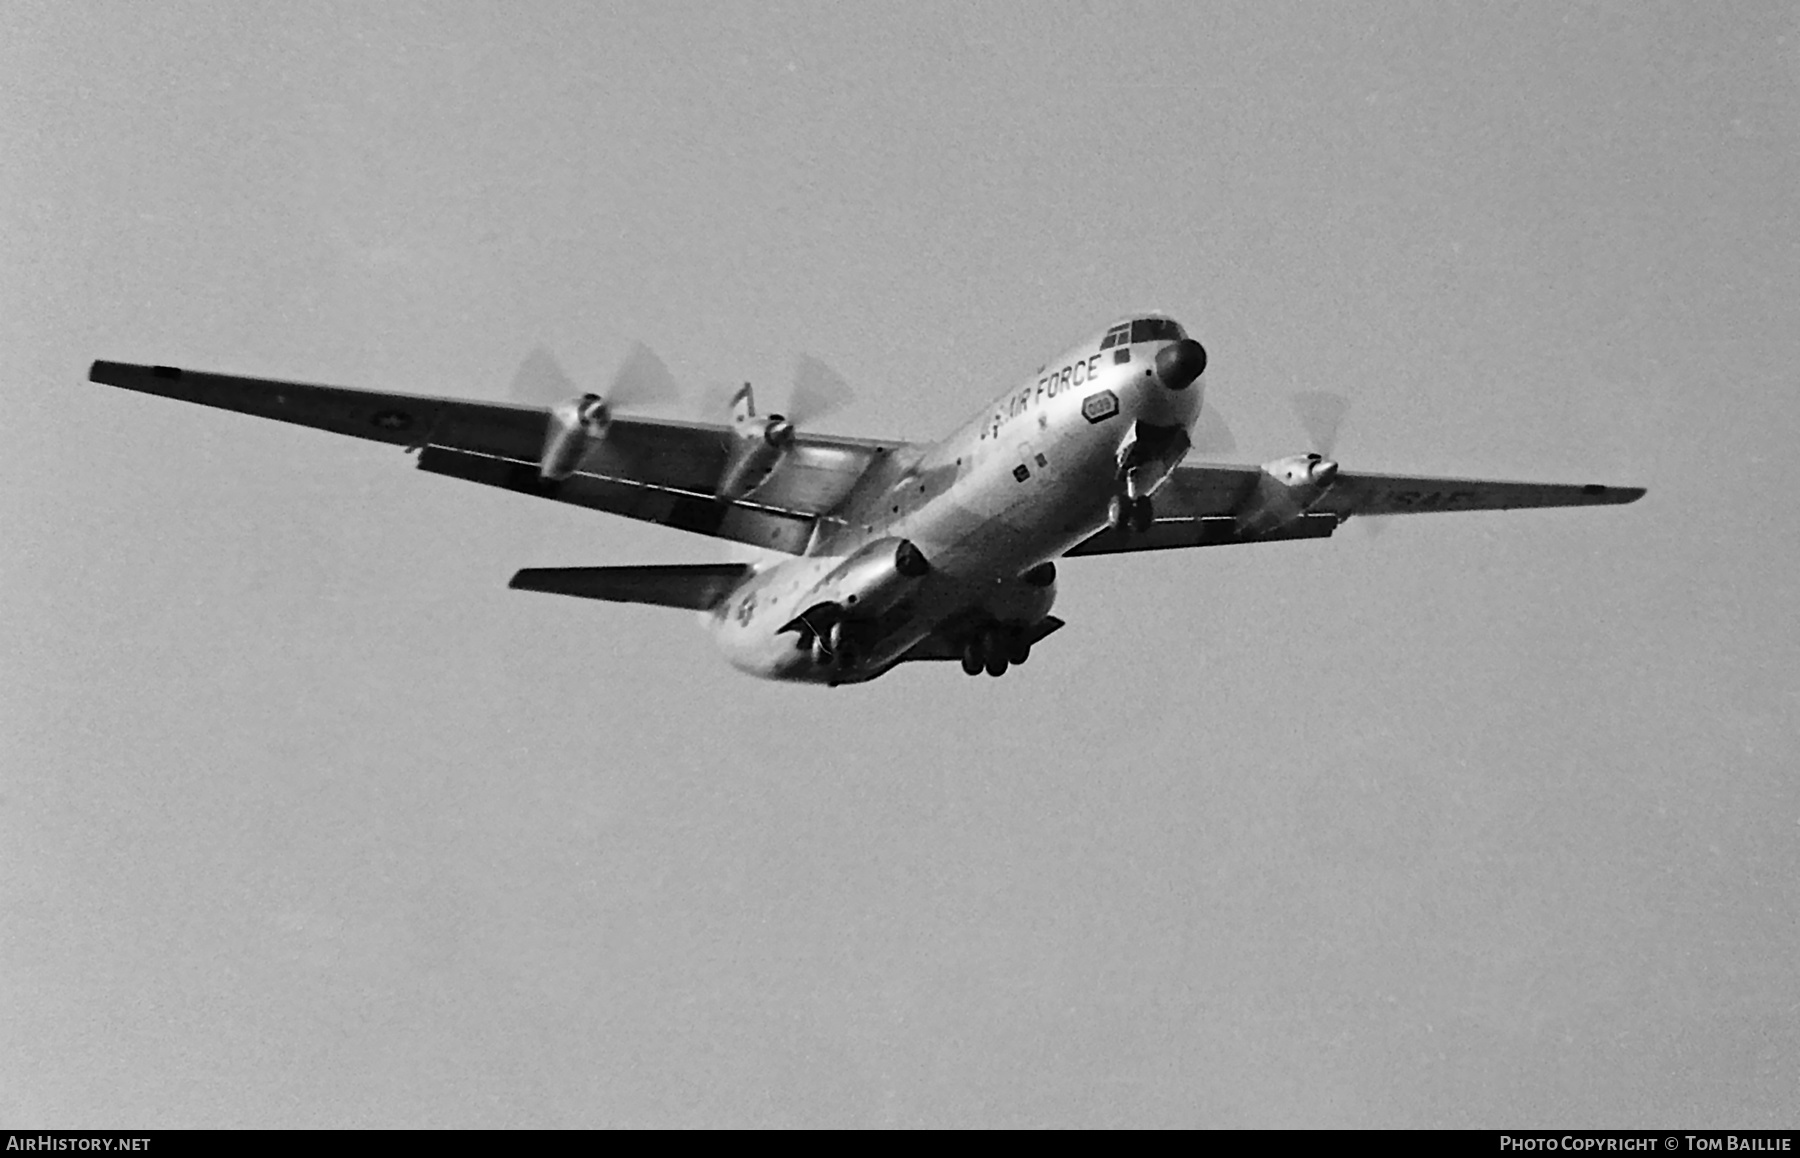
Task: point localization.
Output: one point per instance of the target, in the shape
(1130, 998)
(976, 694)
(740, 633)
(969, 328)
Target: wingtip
(1605, 494)
(129, 373)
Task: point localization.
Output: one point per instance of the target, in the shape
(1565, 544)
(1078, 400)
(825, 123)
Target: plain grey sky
(1490, 820)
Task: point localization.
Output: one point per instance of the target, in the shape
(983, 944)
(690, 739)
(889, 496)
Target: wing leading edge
(656, 470)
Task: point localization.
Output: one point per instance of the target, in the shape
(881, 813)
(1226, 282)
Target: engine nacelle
(757, 447)
(858, 592)
(876, 577)
(1286, 489)
(576, 426)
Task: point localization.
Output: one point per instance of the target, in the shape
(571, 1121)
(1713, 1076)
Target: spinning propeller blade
(1321, 414)
(541, 381)
(642, 381)
(818, 390)
(1211, 435)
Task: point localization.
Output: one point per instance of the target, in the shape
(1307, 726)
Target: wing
(1403, 494)
(660, 471)
(1195, 507)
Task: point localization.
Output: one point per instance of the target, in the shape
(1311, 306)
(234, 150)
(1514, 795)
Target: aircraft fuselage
(1032, 475)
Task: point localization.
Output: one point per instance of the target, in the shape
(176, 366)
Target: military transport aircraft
(899, 551)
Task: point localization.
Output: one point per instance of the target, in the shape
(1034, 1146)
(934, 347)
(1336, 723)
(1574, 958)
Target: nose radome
(1177, 365)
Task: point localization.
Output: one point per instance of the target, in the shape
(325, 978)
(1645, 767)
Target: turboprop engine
(757, 447)
(858, 591)
(1286, 489)
(575, 427)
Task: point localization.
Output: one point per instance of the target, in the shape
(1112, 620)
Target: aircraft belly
(1018, 505)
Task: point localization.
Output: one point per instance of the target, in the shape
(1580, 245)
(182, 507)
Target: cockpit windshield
(1157, 330)
(1143, 330)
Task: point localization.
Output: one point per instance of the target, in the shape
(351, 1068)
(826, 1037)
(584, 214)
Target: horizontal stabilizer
(699, 586)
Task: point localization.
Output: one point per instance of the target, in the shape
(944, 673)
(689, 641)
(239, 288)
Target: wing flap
(1206, 531)
(699, 586)
(742, 522)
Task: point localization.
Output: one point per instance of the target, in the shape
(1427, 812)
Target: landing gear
(994, 649)
(838, 647)
(993, 644)
(1128, 514)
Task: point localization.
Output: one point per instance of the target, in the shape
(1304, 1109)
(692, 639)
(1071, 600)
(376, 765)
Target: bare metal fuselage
(1016, 486)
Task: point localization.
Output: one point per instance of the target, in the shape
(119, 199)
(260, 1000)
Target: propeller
(643, 381)
(1211, 435)
(541, 380)
(1320, 414)
(818, 390)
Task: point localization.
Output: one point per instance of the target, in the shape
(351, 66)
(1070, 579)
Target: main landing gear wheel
(993, 647)
(838, 648)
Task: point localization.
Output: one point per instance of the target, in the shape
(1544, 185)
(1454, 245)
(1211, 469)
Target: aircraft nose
(1177, 365)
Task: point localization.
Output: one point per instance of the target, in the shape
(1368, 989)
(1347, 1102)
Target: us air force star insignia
(392, 420)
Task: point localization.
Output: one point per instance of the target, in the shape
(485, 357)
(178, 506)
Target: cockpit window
(1117, 336)
(1157, 330)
